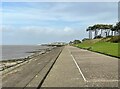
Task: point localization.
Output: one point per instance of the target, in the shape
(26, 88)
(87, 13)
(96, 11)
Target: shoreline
(9, 63)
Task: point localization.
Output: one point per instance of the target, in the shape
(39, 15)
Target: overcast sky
(38, 22)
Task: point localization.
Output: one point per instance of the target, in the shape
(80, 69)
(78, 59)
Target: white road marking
(78, 67)
(92, 80)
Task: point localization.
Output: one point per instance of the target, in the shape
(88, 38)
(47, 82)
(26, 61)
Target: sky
(46, 22)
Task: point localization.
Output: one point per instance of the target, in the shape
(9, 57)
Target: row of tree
(103, 30)
(75, 42)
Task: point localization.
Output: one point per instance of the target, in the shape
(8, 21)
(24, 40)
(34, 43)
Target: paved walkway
(81, 68)
(32, 73)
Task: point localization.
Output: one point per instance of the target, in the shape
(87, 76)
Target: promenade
(81, 68)
(65, 67)
(31, 73)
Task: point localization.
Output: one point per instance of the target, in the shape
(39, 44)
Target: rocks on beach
(5, 64)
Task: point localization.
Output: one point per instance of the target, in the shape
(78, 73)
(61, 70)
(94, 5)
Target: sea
(10, 52)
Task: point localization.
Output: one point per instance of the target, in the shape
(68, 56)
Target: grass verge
(107, 48)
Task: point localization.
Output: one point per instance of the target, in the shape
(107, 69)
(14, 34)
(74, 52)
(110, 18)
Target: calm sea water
(19, 51)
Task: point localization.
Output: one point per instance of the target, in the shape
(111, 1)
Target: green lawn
(102, 47)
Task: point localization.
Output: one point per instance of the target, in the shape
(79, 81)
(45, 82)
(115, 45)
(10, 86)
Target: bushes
(75, 42)
(115, 39)
(85, 39)
(98, 37)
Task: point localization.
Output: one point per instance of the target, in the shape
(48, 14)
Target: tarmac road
(81, 68)
(33, 71)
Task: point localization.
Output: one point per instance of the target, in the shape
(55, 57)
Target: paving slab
(23, 76)
(64, 73)
(99, 70)
(77, 67)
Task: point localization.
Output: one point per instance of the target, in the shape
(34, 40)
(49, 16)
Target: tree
(116, 28)
(76, 41)
(90, 31)
(98, 27)
(70, 42)
(85, 39)
(113, 29)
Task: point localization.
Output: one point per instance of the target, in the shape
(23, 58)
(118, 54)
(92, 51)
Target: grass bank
(107, 48)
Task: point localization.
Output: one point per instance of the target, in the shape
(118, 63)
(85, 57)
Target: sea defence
(33, 72)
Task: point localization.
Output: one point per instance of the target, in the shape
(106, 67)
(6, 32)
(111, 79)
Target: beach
(13, 55)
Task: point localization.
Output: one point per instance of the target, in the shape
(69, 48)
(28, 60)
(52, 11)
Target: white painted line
(93, 80)
(78, 67)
